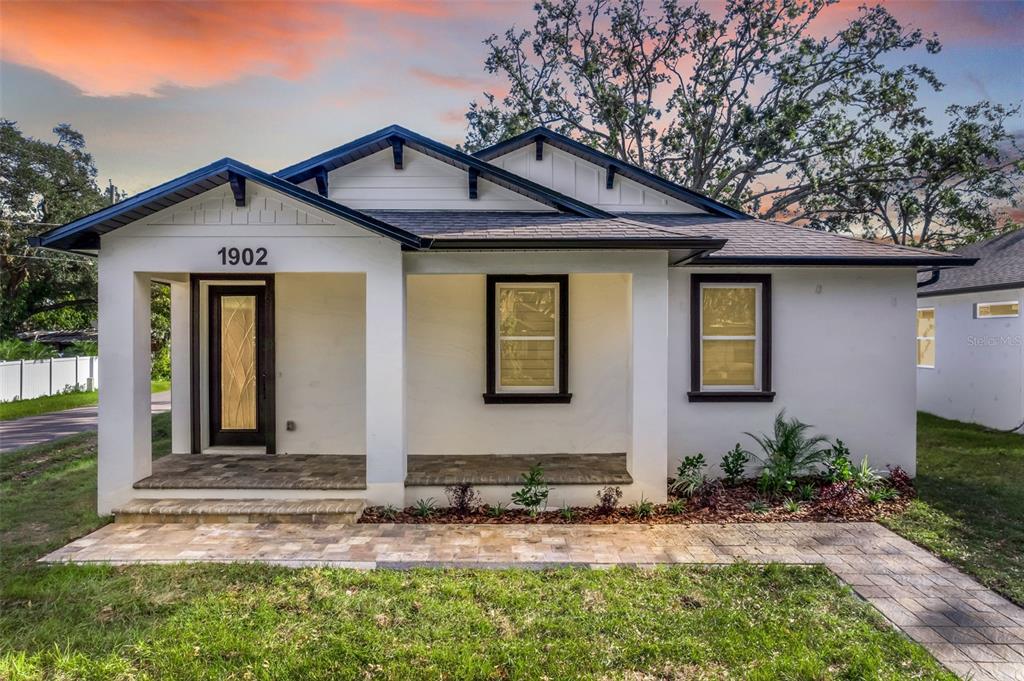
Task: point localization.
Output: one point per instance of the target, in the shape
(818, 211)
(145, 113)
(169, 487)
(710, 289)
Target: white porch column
(649, 387)
(385, 382)
(181, 369)
(125, 449)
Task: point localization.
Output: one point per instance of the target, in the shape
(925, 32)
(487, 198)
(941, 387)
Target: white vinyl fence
(24, 379)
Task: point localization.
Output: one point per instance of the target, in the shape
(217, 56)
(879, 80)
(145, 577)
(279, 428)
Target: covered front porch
(376, 388)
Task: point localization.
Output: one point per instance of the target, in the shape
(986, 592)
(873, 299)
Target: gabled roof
(759, 242)
(1000, 266)
(604, 160)
(84, 233)
(383, 138)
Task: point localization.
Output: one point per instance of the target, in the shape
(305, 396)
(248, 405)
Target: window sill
(527, 398)
(731, 396)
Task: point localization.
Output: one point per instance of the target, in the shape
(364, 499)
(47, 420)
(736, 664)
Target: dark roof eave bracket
(237, 188)
(322, 184)
(397, 146)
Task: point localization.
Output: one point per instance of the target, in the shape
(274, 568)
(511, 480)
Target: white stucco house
(970, 335)
(393, 315)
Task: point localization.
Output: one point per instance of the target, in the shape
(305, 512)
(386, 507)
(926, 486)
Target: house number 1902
(245, 256)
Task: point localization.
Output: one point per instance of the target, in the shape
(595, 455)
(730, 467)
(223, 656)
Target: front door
(238, 366)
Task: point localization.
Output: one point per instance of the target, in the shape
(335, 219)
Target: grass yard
(44, 405)
(970, 509)
(252, 621)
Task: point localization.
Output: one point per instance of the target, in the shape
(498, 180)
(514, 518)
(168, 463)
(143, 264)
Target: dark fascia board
(604, 160)
(837, 261)
(381, 139)
(972, 289)
(561, 244)
(197, 182)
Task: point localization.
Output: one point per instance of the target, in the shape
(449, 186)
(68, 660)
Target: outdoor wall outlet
(289, 425)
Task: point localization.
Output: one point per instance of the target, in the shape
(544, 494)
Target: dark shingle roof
(1000, 266)
(752, 242)
(446, 228)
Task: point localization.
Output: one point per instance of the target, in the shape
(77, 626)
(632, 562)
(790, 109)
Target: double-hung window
(926, 337)
(731, 327)
(527, 338)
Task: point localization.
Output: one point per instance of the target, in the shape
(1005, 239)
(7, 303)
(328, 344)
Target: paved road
(33, 430)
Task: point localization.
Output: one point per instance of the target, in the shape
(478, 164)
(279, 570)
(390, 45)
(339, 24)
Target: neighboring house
(971, 336)
(428, 317)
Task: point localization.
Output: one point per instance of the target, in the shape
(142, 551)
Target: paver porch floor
(328, 471)
(972, 630)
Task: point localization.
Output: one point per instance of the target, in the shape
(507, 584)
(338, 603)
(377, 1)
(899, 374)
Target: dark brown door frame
(267, 409)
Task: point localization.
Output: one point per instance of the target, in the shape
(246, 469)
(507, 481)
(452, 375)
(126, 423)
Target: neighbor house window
(731, 326)
(926, 337)
(527, 338)
(1010, 308)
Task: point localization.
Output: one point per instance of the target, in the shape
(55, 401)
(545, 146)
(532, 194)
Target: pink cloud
(448, 81)
(135, 48)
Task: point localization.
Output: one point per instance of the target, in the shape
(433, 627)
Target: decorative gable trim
(613, 165)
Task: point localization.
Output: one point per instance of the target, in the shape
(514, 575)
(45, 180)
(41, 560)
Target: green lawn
(44, 405)
(253, 621)
(971, 506)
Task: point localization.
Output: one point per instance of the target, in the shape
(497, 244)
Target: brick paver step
(207, 511)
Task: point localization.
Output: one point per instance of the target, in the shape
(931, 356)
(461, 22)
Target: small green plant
(790, 505)
(643, 509)
(806, 492)
(608, 499)
(676, 507)
(734, 463)
(496, 510)
(789, 452)
(566, 513)
(389, 512)
(880, 494)
(534, 492)
(423, 508)
(864, 476)
(839, 466)
(83, 348)
(758, 506)
(689, 476)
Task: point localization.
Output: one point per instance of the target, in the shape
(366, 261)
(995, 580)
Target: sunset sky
(160, 88)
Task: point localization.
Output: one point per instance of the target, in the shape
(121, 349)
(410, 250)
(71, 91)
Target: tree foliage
(760, 107)
(43, 185)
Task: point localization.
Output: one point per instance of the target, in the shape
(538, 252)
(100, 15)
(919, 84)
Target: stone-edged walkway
(973, 631)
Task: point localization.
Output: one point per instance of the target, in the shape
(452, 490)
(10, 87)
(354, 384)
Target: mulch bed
(733, 505)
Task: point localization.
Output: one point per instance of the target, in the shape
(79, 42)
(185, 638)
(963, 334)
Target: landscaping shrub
(790, 452)
(534, 492)
(496, 510)
(423, 508)
(462, 497)
(734, 463)
(689, 476)
(608, 499)
(864, 476)
(839, 466)
(643, 508)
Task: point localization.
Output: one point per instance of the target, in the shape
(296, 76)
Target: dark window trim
(562, 395)
(765, 394)
(270, 400)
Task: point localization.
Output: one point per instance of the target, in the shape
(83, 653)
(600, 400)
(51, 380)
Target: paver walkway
(972, 630)
(35, 430)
